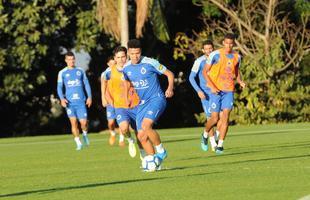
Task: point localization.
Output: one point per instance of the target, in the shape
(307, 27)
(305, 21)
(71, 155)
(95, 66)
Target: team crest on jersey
(143, 70)
(118, 117)
(67, 75)
(78, 73)
(69, 111)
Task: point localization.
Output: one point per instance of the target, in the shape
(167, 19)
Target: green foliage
(158, 21)
(274, 93)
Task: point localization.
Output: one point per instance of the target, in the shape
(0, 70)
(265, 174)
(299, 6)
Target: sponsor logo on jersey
(143, 70)
(75, 96)
(72, 83)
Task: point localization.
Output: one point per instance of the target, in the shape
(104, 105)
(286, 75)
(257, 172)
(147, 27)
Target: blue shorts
(206, 107)
(110, 112)
(152, 109)
(221, 101)
(126, 114)
(205, 103)
(77, 111)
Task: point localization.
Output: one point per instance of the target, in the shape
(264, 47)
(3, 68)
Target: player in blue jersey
(143, 73)
(71, 83)
(221, 71)
(203, 91)
(106, 100)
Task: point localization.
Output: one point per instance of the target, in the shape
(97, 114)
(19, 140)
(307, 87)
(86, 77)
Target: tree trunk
(124, 22)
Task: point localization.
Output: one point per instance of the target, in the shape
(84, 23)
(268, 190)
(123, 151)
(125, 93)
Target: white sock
(205, 134)
(212, 141)
(220, 144)
(85, 133)
(160, 148)
(130, 140)
(77, 141)
(112, 133)
(217, 134)
(121, 137)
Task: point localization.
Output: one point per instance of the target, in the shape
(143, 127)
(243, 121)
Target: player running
(220, 71)
(203, 91)
(74, 81)
(110, 110)
(125, 108)
(142, 72)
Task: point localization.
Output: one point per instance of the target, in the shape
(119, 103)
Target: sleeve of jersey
(60, 86)
(87, 86)
(213, 58)
(106, 75)
(159, 68)
(193, 75)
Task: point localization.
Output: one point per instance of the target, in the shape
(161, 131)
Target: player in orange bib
(125, 102)
(220, 71)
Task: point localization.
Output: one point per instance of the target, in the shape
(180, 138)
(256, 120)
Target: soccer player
(202, 90)
(143, 73)
(125, 108)
(110, 111)
(220, 71)
(74, 81)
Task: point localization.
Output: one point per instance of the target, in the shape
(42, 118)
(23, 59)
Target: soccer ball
(150, 163)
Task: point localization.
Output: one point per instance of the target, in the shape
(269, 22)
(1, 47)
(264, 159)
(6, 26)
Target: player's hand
(169, 93)
(214, 90)
(63, 102)
(201, 95)
(104, 103)
(242, 84)
(88, 102)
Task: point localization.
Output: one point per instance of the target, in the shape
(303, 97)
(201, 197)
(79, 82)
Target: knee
(142, 137)
(146, 127)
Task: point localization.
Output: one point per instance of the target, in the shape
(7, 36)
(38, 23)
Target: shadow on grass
(93, 185)
(246, 161)
(263, 148)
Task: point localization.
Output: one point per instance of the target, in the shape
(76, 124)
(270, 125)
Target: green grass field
(259, 162)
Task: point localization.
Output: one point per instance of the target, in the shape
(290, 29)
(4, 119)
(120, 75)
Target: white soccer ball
(150, 163)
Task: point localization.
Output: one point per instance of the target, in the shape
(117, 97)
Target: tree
(273, 37)
(33, 36)
(113, 18)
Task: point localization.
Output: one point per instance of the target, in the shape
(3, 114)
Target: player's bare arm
(104, 100)
(169, 92)
(239, 79)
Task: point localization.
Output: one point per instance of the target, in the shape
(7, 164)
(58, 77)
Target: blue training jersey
(71, 84)
(197, 70)
(143, 77)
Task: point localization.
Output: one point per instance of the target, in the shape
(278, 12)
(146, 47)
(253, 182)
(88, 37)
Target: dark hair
(70, 54)
(207, 42)
(110, 58)
(119, 49)
(134, 43)
(230, 36)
